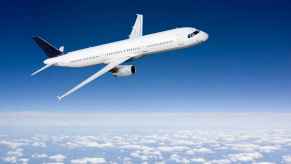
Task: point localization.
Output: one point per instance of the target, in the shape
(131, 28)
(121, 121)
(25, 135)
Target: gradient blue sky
(244, 66)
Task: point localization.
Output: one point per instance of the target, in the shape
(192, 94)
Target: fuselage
(134, 48)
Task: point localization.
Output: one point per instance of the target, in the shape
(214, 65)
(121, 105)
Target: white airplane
(114, 54)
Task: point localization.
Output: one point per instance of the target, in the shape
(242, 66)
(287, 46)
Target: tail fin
(47, 48)
(137, 27)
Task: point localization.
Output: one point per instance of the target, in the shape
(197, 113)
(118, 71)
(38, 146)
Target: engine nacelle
(123, 70)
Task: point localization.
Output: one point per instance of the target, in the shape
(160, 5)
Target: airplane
(114, 54)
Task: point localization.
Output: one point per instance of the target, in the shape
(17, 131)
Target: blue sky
(244, 66)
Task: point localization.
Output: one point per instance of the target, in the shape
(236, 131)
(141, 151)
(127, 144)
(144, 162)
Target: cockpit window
(193, 34)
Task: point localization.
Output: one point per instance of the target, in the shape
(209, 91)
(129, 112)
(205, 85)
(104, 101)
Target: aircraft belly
(80, 63)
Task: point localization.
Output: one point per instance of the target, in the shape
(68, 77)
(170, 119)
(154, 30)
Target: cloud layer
(188, 144)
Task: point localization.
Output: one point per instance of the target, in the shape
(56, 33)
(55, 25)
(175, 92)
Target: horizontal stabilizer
(41, 69)
(47, 48)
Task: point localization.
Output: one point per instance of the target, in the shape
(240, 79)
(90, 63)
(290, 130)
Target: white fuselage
(135, 48)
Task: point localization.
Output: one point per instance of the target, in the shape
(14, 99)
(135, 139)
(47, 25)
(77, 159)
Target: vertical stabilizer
(137, 27)
(47, 48)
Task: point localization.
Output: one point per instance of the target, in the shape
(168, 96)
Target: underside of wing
(101, 72)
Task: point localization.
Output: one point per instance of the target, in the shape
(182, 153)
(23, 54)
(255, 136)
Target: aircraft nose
(204, 36)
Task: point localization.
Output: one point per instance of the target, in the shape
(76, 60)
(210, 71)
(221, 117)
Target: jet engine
(123, 70)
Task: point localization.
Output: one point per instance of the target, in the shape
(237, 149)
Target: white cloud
(23, 160)
(98, 145)
(139, 155)
(88, 160)
(11, 144)
(131, 147)
(86, 141)
(198, 160)
(143, 152)
(160, 162)
(153, 154)
(39, 155)
(179, 159)
(250, 147)
(286, 159)
(199, 150)
(175, 157)
(39, 144)
(13, 155)
(127, 160)
(57, 158)
(269, 148)
(245, 157)
(18, 152)
(219, 161)
(197, 145)
(245, 147)
(173, 148)
(10, 159)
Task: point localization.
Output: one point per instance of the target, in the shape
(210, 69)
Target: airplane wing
(137, 27)
(104, 70)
